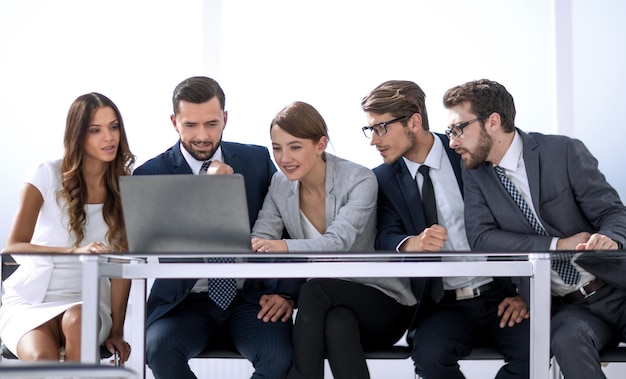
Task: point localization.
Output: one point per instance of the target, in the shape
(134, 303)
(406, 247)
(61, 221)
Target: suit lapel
(292, 217)
(411, 195)
(179, 165)
(531, 161)
(231, 158)
(455, 161)
(331, 200)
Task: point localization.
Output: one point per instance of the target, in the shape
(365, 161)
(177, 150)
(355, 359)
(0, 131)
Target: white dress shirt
(450, 210)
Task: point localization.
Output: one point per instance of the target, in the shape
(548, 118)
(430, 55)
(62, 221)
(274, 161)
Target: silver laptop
(186, 213)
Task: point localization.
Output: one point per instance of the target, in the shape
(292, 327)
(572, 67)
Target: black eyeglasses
(456, 130)
(380, 129)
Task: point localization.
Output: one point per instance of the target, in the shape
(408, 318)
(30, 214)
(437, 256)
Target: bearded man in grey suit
(563, 203)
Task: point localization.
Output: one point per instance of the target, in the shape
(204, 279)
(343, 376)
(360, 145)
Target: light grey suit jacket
(569, 194)
(351, 193)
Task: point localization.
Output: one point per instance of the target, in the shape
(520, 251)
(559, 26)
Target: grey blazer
(568, 192)
(351, 194)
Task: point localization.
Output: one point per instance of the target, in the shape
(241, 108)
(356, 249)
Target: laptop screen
(185, 213)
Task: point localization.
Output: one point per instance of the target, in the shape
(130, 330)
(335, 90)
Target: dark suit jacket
(569, 194)
(400, 214)
(254, 163)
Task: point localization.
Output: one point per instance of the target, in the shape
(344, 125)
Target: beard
(481, 151)
(410, 146)
(200, 155)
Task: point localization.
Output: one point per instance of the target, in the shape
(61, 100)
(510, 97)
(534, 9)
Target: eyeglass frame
(460, 126)
(373, 128)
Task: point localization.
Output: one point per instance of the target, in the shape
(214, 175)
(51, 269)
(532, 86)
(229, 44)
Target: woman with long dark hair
(69, 206)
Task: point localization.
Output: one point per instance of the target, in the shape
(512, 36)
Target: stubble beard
(200, 155)
(411, 142)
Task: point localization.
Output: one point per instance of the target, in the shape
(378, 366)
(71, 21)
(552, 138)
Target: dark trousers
(580, 330)
(197, 324)
(339, 319)
(455, 326)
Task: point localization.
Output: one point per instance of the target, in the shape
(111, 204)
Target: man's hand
(431, 239)
(219, 168)
(274, 308)
(513, 311)
(571, 242)
(597, 242)
(117, 343)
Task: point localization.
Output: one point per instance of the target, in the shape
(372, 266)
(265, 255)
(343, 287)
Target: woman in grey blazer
(326, 203)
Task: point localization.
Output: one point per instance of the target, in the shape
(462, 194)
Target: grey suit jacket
(351, 192)
(569, 194)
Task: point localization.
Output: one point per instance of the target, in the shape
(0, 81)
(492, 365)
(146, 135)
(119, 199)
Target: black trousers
(455, 326)
(339, 319)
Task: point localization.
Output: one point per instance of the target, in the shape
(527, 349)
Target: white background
(562, 60)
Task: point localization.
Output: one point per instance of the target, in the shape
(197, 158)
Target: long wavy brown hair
(74, 190)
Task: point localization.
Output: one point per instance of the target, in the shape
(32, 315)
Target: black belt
(584, 292)
(466, 292)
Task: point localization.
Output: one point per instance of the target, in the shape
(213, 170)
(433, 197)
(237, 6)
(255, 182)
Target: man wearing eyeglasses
(536, 192)
(420, 209)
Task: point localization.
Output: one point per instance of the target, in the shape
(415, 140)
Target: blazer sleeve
(484, 231)
(598, 201)
(391, 229)
(398, 215)
(269, 225)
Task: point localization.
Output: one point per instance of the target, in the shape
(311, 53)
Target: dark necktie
(561, 264)
(428, 197)
(430, 216)
(221, 290)
(205, 166)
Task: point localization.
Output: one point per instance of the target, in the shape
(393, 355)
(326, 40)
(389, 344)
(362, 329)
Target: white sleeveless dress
(44, 286)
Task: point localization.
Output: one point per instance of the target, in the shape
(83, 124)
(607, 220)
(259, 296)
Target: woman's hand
(92, 248)
(269, 246)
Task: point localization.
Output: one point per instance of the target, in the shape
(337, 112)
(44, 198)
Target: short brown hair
(398, 97)
(485, 97)
(197, 90)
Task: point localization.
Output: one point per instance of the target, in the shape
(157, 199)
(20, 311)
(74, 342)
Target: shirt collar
(433, 159)
(195, 164)
(510, 160)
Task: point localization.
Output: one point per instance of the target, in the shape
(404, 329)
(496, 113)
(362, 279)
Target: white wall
(599, 58)
(332, 53)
